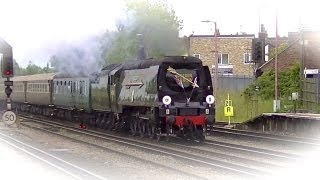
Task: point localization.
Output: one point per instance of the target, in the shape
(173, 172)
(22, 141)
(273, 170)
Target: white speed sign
(9, 117)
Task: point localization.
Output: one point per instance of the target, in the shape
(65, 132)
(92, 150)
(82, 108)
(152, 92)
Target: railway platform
(285, 123)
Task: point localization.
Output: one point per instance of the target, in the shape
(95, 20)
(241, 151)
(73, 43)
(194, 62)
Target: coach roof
(35, 77)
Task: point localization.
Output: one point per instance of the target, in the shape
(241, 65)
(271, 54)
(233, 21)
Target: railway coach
(50, 94)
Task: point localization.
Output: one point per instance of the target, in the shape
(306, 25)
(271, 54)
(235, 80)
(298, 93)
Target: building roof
(225, 36)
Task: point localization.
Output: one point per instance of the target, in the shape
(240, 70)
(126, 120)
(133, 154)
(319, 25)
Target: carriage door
(73, 93)
(81, 94)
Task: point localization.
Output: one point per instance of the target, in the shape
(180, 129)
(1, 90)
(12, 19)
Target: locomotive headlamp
(210, 99)
(166, 100)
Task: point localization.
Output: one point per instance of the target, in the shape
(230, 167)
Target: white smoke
(81, 58)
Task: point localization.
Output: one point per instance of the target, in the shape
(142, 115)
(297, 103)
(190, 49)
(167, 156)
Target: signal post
(6, 58)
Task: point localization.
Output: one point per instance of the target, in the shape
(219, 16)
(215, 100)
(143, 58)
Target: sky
(35, 28)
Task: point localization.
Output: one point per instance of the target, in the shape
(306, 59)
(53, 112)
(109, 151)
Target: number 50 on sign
(9, 117)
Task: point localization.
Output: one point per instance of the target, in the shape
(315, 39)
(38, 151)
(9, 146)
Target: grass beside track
(244, 109)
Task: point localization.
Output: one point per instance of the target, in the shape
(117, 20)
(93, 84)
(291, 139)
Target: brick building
(308, 53)
(234, 52)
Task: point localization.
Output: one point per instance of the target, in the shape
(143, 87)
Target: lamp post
(215, 60)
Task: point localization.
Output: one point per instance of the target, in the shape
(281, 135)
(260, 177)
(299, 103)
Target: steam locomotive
(157, 98)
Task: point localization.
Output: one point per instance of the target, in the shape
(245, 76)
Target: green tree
(30, 69)
(33, 69)
(288, 82)
(153, 24)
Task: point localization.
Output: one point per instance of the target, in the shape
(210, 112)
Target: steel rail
(272, 137)
(58, 163)
(165, 151)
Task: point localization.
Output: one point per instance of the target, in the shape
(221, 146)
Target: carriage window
(71, 88)
(74, 87)
(61, 88)
(84, 88)
(80, 88)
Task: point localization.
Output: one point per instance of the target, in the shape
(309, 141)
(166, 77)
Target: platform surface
(307, 116)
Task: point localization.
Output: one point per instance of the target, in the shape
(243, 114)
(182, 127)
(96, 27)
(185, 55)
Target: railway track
(265, 153)
(54, 131)
(189, 157)
(74, 171)
(268, 137)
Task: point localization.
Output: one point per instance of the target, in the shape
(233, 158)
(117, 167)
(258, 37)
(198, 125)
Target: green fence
(310, 95)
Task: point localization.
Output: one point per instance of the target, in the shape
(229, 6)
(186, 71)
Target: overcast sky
(34, 27)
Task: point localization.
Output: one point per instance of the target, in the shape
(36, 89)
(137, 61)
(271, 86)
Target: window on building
(197, 55)
(247, 58)
(223, 59)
